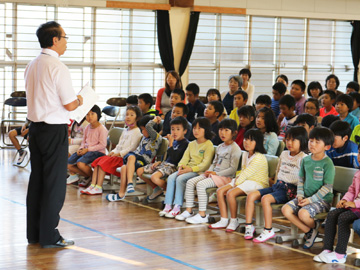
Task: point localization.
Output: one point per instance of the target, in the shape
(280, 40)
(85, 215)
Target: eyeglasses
(65, 37)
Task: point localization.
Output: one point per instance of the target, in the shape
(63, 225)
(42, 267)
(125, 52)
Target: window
(114, 50)
(304, 49)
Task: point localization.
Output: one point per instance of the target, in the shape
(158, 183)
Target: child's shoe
(311, 236)
(22, 156)
(166, 210)
(158, 191)
(173, 213)
(85, 191)
(197, 219)
(234, 223)
(85, 182)
(249, 232)
(114, 197)
(72, 178)
(221, 224)
(264, 236)
(130, 188)
(95, 191)
(184, 215)
(332, 257)
(318, 258)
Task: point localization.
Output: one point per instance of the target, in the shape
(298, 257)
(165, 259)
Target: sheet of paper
(89, 100)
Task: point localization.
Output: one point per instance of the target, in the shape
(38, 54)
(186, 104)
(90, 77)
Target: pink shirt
(352, 195)
(95, 139)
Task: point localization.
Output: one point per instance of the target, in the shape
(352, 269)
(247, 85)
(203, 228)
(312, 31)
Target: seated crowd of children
(319, 133)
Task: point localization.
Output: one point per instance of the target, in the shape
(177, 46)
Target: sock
(176, 208)
(339, 256)
(21, 151)
(167, 207)
(224, 219)
(248, 224)
(92, 185)
(233, 219)
(201, 215)
(98, 187)
(130, 184)
(268, 229)
(327, 250)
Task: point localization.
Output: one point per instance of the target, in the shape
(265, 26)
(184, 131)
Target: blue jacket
(345, 156)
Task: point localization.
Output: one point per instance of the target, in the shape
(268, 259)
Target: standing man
(50, 96)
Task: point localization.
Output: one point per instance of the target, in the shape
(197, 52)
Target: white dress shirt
(48, 88)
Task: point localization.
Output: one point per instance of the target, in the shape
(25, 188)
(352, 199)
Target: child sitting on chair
(284, 189)
(346, 212)
(314, 190)
(20, 131)
(160, 170)
(142, 156)
(128, 141)
(92, 147)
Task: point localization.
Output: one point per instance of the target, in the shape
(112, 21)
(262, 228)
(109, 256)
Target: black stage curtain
(355, 46)
(190, 40)
(165, 40)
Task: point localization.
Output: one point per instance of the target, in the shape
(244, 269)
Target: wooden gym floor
(126, 235)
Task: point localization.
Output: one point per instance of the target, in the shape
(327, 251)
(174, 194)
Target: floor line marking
(159, 230)
(118, 239)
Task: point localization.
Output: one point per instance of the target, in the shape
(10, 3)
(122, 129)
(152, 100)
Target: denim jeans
(356, 226)
(176, 187)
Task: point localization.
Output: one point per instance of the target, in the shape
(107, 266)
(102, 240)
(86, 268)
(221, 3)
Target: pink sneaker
(249, 232)
(264, 236)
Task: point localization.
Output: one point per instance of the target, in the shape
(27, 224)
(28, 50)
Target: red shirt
(240, 138)
(332, 111)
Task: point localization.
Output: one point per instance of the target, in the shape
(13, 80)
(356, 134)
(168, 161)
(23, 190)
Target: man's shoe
(32, 242)
(60, 244)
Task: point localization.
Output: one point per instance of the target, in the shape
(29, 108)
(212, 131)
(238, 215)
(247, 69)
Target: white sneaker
(249, 232)
(213, 198)
(21, 157)
(164, 212)
(95, 191)
(173, 213)
(331, 258)
(86, 190)
(234, 223)
(197, 219)
(184, 215)
(264, 236)
(318, 258)
(221, 224)
(72, 179)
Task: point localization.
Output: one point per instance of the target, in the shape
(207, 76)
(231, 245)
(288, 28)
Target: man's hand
(80, 98)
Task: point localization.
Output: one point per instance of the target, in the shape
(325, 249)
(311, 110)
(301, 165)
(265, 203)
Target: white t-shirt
(289, 167)
(48, 88)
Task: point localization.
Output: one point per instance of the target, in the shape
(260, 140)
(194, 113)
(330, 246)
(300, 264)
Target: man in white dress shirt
(50, 97)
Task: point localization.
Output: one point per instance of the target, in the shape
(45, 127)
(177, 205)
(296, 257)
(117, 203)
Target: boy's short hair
(279, 87)
(298, 133)
(147, 98)
(314, 85)
(179, 92)
(243, 93)
(96, 109)
(305, 118)
(218, 106)
(194, 88)
(145, 119)
(180, 120)
(331, 94)
(348, 100)
(133, 100)
(353, 85)
(245, 71)
(333, 76)
(213, 91)
(183, 106)
(287, 100)
(322, 134)
(284, 77)
(328, 120)
(236, 78)
(228, 123)
(355, 96)
(263, 99)
(300, 83)
(341, 128)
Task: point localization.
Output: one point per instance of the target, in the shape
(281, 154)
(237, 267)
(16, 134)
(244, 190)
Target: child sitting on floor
(142, 156)
(346, 212)
(197, 158)
(284, 189)
(92, 146)
(253, 176)
(314, 190)
(128, 141)
(221, 171)
(161, 170)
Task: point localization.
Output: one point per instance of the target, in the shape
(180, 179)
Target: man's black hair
(46, 32)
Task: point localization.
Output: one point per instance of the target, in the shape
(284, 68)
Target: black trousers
(47, 185)
(343, 218)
